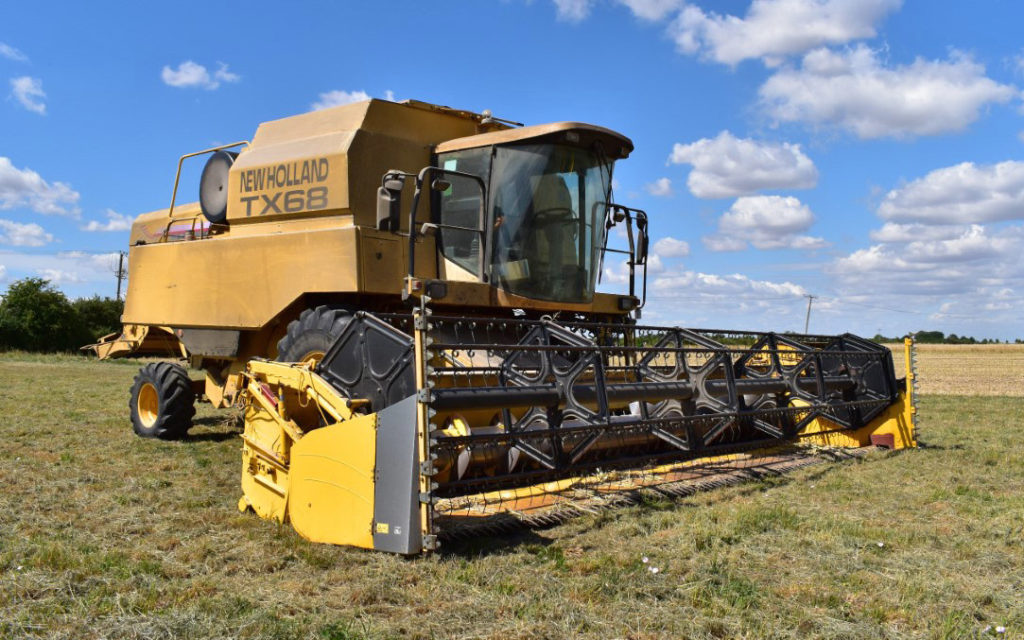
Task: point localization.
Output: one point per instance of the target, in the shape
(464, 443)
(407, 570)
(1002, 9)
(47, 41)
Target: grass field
(103, 534)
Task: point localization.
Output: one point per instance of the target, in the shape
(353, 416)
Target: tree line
(36, 316)
(938, 337)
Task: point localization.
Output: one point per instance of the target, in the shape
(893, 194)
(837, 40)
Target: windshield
(547, 230)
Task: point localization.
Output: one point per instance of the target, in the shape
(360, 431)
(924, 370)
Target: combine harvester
(421, 354)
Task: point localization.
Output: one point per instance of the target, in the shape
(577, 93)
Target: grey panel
(210, 342)
(396, 506)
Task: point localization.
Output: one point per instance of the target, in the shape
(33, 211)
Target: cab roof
(615, 144)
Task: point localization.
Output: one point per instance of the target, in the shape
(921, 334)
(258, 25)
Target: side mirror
(389, 202)
(642, 240)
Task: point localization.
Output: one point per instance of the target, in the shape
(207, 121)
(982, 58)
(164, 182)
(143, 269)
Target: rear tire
(162, 401)
(309, 337)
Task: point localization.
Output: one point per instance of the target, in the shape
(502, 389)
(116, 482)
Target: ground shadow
(488, 544)
(939, 447)
(212, 421)
(215, 429)
(212, 436)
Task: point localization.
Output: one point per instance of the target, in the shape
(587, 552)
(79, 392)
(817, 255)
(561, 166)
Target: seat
(551, 238)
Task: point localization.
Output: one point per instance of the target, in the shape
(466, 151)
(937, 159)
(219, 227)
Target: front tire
(309, 337)
(162, 401)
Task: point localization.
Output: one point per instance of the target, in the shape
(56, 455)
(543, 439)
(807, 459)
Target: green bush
(36, 316)
(100, 316)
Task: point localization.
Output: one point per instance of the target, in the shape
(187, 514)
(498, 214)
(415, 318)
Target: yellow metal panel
(305, 177)
(264, 465)
(151, 227)
(236, 282)
(300, 166)
(896, 420)
(378, 153)
(331, 492)
(380, 263)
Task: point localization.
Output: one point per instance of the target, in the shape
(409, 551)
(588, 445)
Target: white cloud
(115, 222)
(222, 74)
(682, 297)
(766, 222)
(652, 10)
(337, 98)
(572, 10)
(893, 232)
(66, 267)
(661, 187)
(59, 276)
(669, 247)
(9, 52)
(727, 166)
(190, 75)
(961, 194)
(29, 92)
(773, 29)
(972, 244)
(23, 234)
(26, 188)
(724, 243)
(689, 283)
(853, 90)
(975, 264)
(619, 273)
(654, 264)
(3, 272)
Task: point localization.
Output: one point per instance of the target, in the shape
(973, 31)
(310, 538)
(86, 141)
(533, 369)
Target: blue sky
(866, 152)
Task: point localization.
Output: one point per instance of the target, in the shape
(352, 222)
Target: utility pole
(121, 274)
(807, 322)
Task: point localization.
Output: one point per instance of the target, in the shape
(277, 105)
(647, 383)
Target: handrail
(170, 222)
(484, 257)
(177, 176)
(637, 251)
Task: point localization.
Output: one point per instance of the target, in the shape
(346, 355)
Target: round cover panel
(213, 186)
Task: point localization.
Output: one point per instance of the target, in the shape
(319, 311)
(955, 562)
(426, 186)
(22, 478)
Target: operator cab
(540, 231)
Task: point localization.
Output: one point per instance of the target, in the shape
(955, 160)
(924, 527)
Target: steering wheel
(543, 218)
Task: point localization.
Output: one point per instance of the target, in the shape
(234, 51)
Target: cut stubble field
(106, 535)
(967, 369)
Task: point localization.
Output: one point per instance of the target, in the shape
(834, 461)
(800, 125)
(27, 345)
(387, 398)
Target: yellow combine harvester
(420, 352)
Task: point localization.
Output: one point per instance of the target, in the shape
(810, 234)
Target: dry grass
(969, 370)
(103, 534)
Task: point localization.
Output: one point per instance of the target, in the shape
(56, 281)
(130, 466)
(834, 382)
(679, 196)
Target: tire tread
(176, 401)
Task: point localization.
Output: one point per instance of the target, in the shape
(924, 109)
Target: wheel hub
(148, 404)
